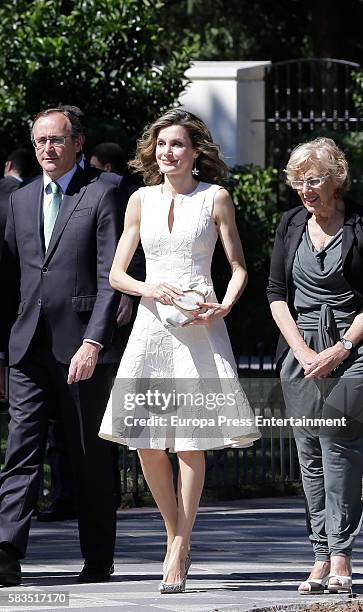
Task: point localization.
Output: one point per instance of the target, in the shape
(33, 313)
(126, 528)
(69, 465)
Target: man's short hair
(110, 153)
(77, 112)
(22, 161)
(76, 125)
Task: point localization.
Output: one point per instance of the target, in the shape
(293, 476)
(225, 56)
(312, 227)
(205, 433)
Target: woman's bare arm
(119, 279)
(224, 217)
(287, 326)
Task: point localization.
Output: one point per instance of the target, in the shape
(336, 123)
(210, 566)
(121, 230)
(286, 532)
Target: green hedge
(254, 191)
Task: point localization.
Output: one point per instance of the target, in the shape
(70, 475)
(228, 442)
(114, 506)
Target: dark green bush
(112, 58)
(254, 191)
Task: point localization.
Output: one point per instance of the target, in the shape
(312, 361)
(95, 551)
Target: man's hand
(83, 363)
(2, 382)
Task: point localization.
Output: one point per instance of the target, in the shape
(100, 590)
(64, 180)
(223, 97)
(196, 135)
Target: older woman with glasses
(316, 296)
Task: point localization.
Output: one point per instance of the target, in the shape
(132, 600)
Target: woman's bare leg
(190, 486)
(158, 473)
(341, 565)
(319, 571)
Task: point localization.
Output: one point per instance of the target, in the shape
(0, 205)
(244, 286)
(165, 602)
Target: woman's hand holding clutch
(162, 292)
(212, 311)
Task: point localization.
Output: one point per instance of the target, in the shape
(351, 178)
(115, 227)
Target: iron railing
(304, 97)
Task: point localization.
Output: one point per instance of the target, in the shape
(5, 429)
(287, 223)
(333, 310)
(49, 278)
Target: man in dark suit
(109, 166)
(60, 316)
(18, 168)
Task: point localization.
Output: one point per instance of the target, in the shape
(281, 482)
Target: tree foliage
(110, 57)
(266, 29)
(254, 192)
(239, 29)
(358, 94)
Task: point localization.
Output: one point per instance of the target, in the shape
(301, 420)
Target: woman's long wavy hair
(212, 168)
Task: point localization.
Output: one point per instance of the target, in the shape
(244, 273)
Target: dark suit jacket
(8, 184)
(288, 237)
(69, 283)
(137, 266)
(121, 182)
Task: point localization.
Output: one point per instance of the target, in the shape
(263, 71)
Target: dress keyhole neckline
(171, 216)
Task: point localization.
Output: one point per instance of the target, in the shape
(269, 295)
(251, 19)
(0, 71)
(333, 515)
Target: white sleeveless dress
(203, 406)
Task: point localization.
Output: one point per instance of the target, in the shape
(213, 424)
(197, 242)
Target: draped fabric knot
(328, 333)
(51, 212)
(321, 257)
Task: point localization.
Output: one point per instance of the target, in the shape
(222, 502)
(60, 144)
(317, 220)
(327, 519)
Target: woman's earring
(195, 170)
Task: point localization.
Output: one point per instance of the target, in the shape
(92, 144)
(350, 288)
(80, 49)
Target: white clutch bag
(181, 312)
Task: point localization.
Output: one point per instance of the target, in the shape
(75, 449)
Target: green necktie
(51, 212)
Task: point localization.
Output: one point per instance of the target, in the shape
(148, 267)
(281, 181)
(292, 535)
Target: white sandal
(343, 585)
(315, 586)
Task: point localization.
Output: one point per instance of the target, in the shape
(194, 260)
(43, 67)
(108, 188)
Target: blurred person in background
(19, 168)
(109, 157)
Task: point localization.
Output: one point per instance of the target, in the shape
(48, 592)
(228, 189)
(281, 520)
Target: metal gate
(306, 98)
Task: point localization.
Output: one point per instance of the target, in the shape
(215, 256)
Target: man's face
(56, 159)
(95, 163)
(7, 168)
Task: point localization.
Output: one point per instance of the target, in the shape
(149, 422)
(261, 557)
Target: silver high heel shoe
(176, 587)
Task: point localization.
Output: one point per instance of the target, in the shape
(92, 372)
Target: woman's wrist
(341, 352)
(300, 345)
(227, 304)
(227, 308)
(144, 289)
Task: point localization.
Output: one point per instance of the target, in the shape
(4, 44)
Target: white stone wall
(230, 98)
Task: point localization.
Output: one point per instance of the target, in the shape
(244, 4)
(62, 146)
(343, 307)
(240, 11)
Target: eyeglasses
(55, 141)
(315, 181)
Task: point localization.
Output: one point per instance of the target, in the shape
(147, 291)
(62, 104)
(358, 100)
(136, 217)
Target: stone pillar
(230, 98)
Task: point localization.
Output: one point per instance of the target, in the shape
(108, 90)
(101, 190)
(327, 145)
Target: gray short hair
(76, 125)
(325, 155)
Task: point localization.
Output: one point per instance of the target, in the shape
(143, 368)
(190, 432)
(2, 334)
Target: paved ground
(246, 555)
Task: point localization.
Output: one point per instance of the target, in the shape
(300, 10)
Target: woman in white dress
(178, 216)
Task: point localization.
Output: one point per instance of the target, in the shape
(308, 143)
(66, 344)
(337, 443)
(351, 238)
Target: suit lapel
(73, 195)
(34, 195)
